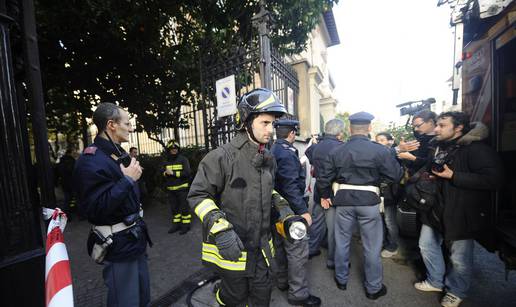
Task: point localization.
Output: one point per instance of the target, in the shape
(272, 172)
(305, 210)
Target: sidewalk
(175, 268)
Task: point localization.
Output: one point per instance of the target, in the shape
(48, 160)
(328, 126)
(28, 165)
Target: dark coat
(105, 196)
(290, 176)
(240, 181)
(317, 153)
(467, 197)
(359, 161)
(180, 168)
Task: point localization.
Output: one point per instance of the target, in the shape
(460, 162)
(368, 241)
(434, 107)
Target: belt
(111, 229)
(342, 186)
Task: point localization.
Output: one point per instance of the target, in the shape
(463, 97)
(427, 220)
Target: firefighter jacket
(238, 180)
(180, 168)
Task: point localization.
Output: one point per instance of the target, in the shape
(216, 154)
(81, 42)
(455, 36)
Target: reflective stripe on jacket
(237, 180)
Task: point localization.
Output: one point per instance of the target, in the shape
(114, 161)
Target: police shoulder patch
(90, 150)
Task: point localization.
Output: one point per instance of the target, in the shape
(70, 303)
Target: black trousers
(252, 291)
(179, 206)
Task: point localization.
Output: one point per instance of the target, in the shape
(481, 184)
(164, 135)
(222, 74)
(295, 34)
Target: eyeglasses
(417, 126)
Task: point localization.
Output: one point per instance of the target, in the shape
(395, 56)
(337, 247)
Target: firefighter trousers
(240, 291)
(179, 207)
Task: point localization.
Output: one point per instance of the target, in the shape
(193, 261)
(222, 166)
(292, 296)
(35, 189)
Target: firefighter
(232, 194)
(176, 171)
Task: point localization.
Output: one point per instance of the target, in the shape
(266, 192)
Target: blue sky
(390, 52)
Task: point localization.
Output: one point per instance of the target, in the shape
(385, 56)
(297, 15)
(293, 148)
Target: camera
(439, 161)
(413, 107)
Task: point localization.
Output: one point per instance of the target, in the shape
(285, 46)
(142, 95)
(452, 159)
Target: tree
(145, 54)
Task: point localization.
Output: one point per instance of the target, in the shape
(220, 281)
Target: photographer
(415, 153)
(467, 172)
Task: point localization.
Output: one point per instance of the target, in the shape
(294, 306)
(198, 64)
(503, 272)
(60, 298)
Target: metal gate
(257, 66)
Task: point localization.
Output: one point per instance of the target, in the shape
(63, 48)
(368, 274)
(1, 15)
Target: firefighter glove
(281, 205)
(229, 245)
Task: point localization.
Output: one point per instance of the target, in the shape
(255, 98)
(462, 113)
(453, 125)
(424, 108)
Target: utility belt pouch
(131, 219)
(99, 240)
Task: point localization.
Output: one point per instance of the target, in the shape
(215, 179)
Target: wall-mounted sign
(226, 96)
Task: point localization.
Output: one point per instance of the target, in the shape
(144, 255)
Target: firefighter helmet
(260, 100)
(173, 144)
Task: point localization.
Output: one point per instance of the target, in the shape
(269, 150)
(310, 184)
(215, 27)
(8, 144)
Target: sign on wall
(226, 96)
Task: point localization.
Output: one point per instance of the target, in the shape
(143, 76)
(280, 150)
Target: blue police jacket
(359, 161)
(105, 196)
(317, 153)
(290, 177)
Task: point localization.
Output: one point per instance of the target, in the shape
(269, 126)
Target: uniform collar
(107, 147)
(330, 137)
(283, 141)
(358, 137)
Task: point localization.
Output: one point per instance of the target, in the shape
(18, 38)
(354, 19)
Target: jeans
(391, 238)
(457, 277)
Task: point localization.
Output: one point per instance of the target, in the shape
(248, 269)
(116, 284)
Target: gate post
(262, 21)
(22, 256)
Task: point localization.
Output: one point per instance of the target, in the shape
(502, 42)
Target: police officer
(292, 257)
(176, 171)
(109, 197)
(324, 219)
(232, 194)
(352, 173)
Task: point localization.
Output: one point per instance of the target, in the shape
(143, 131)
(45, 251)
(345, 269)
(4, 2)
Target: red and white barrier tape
(58, 277)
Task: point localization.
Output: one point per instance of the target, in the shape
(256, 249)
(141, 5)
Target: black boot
(173, 228)
(184, 229)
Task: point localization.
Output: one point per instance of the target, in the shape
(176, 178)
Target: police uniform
(108, 198)
(292, 257)
(352, 173)
(323, 221)
(177, 184)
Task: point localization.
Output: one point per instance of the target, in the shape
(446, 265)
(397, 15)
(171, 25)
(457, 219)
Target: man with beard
(468, 171)
(232, 194)
(415, 153)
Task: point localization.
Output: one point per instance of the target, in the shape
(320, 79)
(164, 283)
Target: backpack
(421, 191)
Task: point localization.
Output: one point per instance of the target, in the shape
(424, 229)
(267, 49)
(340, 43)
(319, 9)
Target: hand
(134, 169)
(326, 203)
(408, 146)
(229, 245)
(406, 156)
(169, 172)
(308, 218)
(447, 173)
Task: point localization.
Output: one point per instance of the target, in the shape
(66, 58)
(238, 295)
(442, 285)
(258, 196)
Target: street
(175, 268)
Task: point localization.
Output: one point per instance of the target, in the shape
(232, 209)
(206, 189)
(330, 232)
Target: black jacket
(105, 196)
(290, 176)
(467, 197)
(180, 168)
(317, 153)
(357, 162)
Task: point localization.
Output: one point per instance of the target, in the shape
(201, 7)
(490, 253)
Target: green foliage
(400, 132)
(144, 54)
(345, 118)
